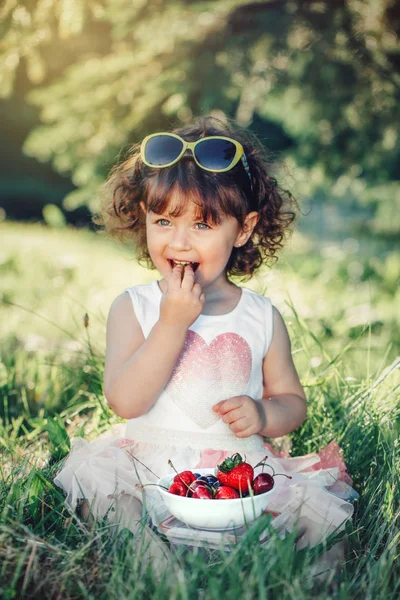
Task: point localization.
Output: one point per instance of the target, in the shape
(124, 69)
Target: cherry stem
(180, 478)
(142, 485)
(261, 462)
(171, 465)
(264, 464)
(139, 461)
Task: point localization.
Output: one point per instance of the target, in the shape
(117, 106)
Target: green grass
(345, 340)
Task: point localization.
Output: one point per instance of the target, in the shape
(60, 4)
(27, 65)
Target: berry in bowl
(220, 498)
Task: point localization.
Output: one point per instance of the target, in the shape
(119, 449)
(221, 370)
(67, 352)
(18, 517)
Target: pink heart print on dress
(206, 374)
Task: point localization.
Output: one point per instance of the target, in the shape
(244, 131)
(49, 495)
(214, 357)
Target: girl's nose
(180, 241)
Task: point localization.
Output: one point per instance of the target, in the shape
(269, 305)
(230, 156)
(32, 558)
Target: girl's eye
(165, 223)
(203, 226)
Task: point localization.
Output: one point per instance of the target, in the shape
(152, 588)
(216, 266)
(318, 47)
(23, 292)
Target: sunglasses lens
(215, 155)
(162, 149)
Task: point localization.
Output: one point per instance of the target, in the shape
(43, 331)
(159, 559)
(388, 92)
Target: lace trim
(192, 439)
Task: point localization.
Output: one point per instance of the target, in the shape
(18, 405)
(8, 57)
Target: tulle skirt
(318, 499)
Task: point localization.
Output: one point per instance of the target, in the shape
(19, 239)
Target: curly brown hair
(230, 193)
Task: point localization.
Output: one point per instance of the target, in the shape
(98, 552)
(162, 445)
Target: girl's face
(187, 239)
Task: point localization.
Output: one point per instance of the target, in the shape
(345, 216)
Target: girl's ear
(248, 227)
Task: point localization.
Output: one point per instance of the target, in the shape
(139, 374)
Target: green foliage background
(318, 81)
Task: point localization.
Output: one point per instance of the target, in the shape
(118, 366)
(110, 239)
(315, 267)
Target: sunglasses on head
(215, 153)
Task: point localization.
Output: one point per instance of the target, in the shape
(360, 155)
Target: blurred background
(317, 81)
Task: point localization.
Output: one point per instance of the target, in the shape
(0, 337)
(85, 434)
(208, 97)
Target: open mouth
(184, 263)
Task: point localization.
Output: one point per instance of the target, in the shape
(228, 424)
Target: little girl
(199, 367)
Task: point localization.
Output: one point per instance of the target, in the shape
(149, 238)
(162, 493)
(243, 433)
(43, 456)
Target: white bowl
(213, 514)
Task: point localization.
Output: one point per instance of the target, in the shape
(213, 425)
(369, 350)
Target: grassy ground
(338, 300)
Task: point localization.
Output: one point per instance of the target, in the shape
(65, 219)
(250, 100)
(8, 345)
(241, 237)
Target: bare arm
(136, 368)
(284, 402)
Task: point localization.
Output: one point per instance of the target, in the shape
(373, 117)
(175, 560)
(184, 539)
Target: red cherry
(178, 488)
(194, 485)
(186, 477)
(202, 493)
(225, 492)
(264, 482)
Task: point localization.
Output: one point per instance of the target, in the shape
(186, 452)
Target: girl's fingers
(175, 279)
(232, 416)
(245, 432)
(188, 278)
(239, 425)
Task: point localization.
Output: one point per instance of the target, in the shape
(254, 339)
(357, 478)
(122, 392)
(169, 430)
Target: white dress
(222, 357)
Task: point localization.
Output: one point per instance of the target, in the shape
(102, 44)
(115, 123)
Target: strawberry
(226, 493)
(236, 473)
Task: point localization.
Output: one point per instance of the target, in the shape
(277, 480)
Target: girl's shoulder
(143, 287)
(278, 340)
(144, 291)
(258, 314)
(134, 297)
(256, 299)
(145, 301)
(264, 304)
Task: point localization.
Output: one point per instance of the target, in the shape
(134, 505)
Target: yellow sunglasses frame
(191, 146)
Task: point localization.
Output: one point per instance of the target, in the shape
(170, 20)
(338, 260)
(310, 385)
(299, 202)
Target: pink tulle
(112, 465)
(123, 443)
(211, 458)
(330, 456)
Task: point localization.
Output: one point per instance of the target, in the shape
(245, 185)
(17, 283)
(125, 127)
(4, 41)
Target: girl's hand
(183, 300)
(244, 415)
